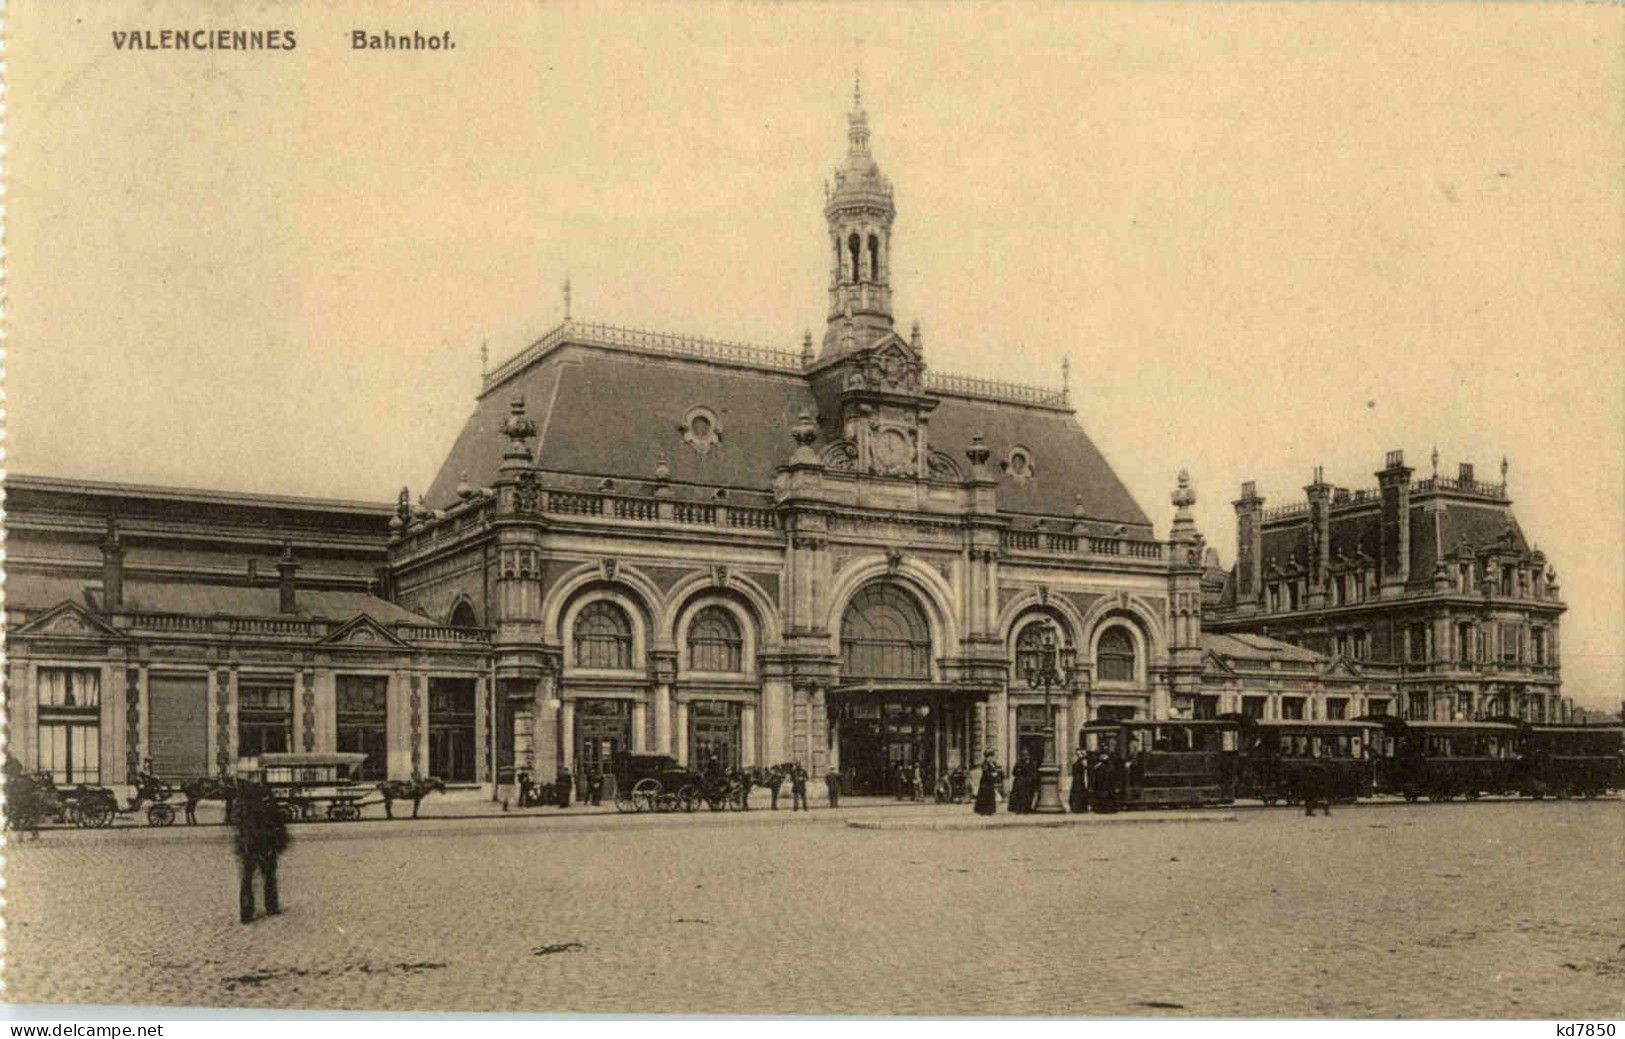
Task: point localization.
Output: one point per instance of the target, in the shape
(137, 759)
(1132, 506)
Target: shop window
(69, 724)
(603, 637)
(264, 717)
(363, 721)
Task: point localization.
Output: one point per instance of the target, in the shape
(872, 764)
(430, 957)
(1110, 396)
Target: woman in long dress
(987, 790)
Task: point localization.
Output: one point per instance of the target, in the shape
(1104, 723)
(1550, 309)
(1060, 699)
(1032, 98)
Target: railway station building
(650, 542)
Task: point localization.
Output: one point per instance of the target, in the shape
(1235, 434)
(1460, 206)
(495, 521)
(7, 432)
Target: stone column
(747, 737)
(775, 722)
(800, 739)
(544, 720)
(818, 731)
(997, 712)
(640, 722)
(680, 736)
(663, 744)
(1012, 750)
(567, 735)
(978, 733)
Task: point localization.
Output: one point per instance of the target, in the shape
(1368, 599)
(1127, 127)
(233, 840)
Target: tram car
(1572, 760)
(1288, 760)
(1441, 760)
(1162, 764)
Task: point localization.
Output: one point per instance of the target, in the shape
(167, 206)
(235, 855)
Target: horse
(208, 788)
(414, 790)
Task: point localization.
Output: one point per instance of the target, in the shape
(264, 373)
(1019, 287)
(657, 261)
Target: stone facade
(648, 542)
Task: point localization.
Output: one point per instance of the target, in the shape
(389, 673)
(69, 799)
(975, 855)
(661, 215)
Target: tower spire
(859, 212)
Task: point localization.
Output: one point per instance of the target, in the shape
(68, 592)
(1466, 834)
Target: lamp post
(1044, 666)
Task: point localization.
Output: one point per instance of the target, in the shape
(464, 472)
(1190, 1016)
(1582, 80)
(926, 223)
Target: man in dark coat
(562, 787)
(259, 836)
(775, 780)
(1078, 798)
(798, 788)
(832, 786)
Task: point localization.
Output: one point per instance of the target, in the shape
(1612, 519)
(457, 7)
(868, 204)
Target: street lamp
(1045, 665)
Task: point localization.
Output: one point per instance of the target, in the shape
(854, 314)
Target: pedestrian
(562, 785)
(1020, 777)
(1314, 780)
(918, 782)
(775, 780)
(745, 783)
(798, 788)
(987, 789)
(259, 835)
(1078, 797)
(595, 787)
(832, 785)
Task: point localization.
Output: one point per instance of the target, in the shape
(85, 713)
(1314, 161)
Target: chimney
(1394, 554)
(1249, 547)
(112, 568)
(1320, 537)
(286, 567)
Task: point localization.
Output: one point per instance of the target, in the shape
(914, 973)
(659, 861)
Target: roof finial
(567, 295)
(485, 358)
(1435, 461)
(1066, 386)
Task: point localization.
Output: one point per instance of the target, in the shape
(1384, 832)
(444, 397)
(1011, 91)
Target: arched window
(462, 616)
(874, 258)
(1114, 656)
(884, 635)
(855, 246)
(603, 636)
(714, 643)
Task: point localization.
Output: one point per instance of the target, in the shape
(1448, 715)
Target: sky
(1267, 237)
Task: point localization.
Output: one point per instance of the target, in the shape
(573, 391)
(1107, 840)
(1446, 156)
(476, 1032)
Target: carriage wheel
(645, 795)
(688, 797)
(97, 814)
(160, 814)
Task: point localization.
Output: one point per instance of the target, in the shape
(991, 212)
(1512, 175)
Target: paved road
(1475, 910)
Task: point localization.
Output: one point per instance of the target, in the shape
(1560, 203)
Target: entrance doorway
(883, 736)
(603, 729)
(713, 733)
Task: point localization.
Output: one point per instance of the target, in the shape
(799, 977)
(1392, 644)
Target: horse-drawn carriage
(308, 786)
(657, 783)
(34, 798)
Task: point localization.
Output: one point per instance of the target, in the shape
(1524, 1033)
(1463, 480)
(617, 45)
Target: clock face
(892, 449)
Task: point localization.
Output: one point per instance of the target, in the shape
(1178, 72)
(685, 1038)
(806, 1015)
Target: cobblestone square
(1460, 910)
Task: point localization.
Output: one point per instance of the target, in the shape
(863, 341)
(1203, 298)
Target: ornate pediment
(362, 630)
(68, 620)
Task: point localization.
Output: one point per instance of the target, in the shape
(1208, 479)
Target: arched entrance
(888, 716)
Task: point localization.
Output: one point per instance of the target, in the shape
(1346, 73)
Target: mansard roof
(608, 409)
(1437, 529)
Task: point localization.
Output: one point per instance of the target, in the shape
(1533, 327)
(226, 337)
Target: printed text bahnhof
(270, 39)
